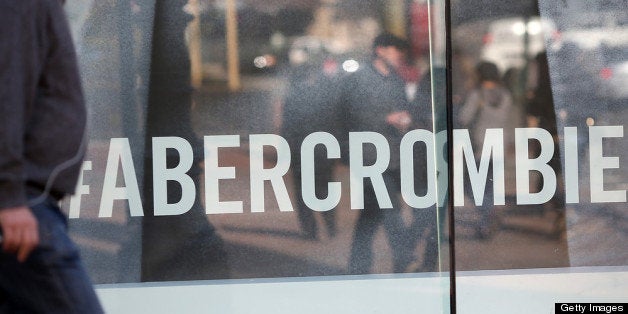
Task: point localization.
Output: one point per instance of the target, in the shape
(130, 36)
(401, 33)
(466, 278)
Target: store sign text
(120, 160)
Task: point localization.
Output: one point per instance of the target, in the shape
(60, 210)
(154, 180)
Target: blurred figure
(424, 222)
(374, 99)
(463, 80)
(187, 246)
(308, 108)
(512, 80)
(489, 105)
(43, 120)
(540, 105)
(542, 114)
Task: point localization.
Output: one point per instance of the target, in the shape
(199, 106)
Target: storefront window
(265, 154)
(272, 156)
(540, 213)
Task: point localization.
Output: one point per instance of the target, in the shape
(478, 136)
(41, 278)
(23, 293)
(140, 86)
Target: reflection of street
(595, 235)
(598, 233)
(266, 244)
(270, 244)
(523, 237)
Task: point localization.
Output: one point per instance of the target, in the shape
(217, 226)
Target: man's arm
(12, 106)
(17, 222)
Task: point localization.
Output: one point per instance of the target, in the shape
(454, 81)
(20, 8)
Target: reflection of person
(423, 225)
(489, 105)
(308, 108)
(542, 113)
(43, 120)
(187, 246)
(374, 99)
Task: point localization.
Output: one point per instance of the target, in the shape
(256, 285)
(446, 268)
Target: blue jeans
(52, 280)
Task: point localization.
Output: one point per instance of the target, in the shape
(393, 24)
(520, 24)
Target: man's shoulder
(30, 7)
(364, 74)
(366, 70)
(17, 6)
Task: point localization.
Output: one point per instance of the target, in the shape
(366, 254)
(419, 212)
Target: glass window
(264, 155)
(539, 157)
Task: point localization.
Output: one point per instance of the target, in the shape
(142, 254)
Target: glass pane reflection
(533, 94)
(240, 141)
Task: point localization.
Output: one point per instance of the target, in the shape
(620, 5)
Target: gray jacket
(42, 113)
(486, 108)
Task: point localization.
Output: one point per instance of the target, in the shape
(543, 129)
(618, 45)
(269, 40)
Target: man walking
(374, 100)
(42, 120)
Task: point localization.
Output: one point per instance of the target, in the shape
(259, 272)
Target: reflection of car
(505, 42)
(314, 51)
(590, 30)
(257, 56)
(599, 45)
(614, 74)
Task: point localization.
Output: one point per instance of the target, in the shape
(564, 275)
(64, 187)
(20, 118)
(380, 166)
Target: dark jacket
(368, 97)
(309, 106)
(42, 113)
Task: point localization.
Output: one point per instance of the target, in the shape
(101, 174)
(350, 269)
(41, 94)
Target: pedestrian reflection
(488, 106)
(308, 107)
(180, 247)
(374, 99)
(542, 114)
(423, 226)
